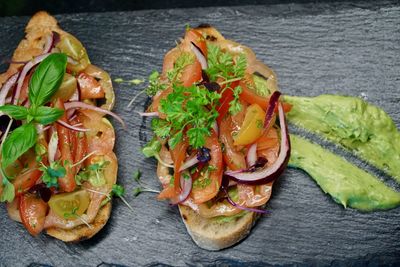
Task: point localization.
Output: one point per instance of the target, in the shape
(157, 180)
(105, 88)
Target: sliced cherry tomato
(70, 203)
(268, 140)
(67, 88)
(191, 74)
(252, 127)
(178, 154)
(89, 87)
(67, 183)
(209, 185)
(24, 89)
(198, 39)
(223, 108)
(28, 177)
(234, 159)
(79, 145)
(226, 98)
(32, 210)
(252, 97)
(101, 137)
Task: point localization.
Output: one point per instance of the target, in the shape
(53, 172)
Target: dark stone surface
(315, 49)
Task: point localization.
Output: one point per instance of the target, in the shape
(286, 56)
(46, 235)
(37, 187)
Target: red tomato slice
(234, 159)
(268, 140)
(28, 177)
(198, 39)
(191, 74)
(67, 183)
(252, 97)
(89, 87)
(226, 98)
(209, 189)
(79, 146)
(32, 211)
(178, 155)
(101, 137)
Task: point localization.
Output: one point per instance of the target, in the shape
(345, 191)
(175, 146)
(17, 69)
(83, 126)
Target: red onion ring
(273, 102)
(189, 163)
(268, 173)
(224, 186)
(199, 55)
(28, 66)
(6, 88)
(186, 188)
(72, 127)
(78, 104)
(149, 114)
(44, 129)
(53, 144)
(48, 45)
(75, 97)
(251, 156)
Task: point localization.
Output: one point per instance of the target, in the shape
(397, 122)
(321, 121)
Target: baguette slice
(211, 234)
(38, 26)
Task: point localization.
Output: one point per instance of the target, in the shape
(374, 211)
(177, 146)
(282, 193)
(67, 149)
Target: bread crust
(31, 46)
(211, 234)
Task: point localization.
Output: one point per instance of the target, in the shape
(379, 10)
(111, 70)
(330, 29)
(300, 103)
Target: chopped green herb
(154, 84)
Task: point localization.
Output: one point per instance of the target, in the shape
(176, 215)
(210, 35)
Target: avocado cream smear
(364, 129)
(347, 184)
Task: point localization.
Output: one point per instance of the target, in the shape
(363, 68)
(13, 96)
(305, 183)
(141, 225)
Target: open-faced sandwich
(57, 161)
(220, 135)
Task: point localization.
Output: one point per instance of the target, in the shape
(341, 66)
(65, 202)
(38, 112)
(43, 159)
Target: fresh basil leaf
(46, 115)
(8, 192)
(17, 143)
(16, 112)
(47, 78)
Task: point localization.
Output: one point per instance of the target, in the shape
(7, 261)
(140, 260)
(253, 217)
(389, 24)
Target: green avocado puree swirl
(362, 128)
(344, 182)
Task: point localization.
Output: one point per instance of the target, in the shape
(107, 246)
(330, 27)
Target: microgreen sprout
(142, 186)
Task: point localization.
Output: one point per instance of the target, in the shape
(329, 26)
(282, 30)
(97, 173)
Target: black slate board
(341, 48)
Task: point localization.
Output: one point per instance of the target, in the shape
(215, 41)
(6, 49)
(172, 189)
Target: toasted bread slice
(212, 234)
(38, 26)
(83, 232)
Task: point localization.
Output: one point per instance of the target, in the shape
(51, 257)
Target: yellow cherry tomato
(69, 205)
(252, 127)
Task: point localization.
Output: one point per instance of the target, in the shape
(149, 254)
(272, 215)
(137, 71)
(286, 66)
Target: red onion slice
(268, 173)
(189, 163)
(75, 97)
(225, 185)
(186, 188)
(48, 45)
(52, 149)
(199, 55)
(78, 104)
(273, 102)
(6, 88)
(72, 127)
(251, 157)
(148, 114)
(28, 66)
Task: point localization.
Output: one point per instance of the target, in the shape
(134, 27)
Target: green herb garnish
(45, 81)
(142, 186)
(52, 173)
(192, 107)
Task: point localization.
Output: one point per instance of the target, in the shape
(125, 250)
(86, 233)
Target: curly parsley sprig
(191, 109)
